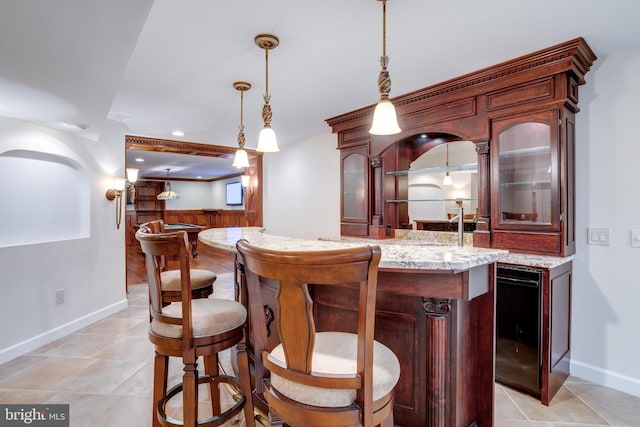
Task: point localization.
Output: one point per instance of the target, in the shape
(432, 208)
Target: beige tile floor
(104, 372)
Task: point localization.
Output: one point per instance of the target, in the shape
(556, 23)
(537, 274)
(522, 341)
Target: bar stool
(319, 378)
(189, 329)
(201, 280)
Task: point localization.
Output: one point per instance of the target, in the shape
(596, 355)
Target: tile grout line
(568, 386)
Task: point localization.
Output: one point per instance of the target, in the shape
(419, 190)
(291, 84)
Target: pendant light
(241, 159)
(167, 193)
(385, 121)
(267, 142)
(447, 178)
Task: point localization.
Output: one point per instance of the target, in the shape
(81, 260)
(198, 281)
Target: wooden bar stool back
(319, 378)
(190, 329)
(201, 280)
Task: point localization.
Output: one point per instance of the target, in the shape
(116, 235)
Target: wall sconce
(115, 193)
(132, 177)
(246, 184)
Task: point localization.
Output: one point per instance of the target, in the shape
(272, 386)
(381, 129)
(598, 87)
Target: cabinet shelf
(469, 167)
(525, 184)
(431, 200)
(544, 149)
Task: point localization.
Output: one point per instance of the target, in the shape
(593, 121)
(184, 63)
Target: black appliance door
(518, 317)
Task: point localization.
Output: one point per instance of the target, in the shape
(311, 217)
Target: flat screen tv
(234, 194)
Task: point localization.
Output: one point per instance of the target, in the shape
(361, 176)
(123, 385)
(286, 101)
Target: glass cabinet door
(526, 176)
(354, 189)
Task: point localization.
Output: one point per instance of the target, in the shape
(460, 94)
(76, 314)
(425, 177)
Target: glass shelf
(526, 184)
(526, 151)
(430, 200)
(469, 167)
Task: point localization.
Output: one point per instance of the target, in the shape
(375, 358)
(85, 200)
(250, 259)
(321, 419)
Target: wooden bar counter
(435, 310)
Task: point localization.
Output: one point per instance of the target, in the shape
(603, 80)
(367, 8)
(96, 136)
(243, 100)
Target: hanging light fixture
(385, 121)
(447, 178)
(267, 140)
(167, 193)
(241, 159)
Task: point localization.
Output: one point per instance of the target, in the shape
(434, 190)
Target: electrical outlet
(635, 238)
(598, 236)
(60, 296)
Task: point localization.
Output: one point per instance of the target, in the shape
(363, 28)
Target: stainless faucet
(460, 218)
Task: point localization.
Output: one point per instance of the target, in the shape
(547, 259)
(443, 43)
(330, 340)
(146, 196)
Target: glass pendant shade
(267, 142)
(241, 159)
(447, 180)
(385, 121)
(167, 194)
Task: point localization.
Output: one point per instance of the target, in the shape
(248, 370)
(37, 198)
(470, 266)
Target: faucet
(460, 218)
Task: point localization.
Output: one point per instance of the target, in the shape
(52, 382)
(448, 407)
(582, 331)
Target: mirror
(430, 199)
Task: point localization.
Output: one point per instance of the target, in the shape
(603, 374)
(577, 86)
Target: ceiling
(153, 67)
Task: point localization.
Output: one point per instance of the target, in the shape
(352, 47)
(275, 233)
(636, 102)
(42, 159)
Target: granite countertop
(395, 254)
(537, 260)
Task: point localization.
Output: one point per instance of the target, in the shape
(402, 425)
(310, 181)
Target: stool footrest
(214, 421)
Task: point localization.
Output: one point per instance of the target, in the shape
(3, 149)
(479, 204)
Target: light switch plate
(635, 238)
(598, 236)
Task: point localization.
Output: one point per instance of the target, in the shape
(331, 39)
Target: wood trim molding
(145, 143)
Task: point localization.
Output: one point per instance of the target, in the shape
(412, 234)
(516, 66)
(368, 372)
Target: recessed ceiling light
(177, 133)
(139, 160)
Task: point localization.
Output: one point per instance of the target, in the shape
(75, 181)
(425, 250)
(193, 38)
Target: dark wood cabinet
(354, 209)
(533, 333)
(532, 183)
(147, 206)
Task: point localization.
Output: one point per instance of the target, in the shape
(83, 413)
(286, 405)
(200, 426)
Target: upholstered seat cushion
(171, 279)
(210, 316)
(335, 353)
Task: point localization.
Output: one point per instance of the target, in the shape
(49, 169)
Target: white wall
(302, 189)
(193, 195)
(606, 287)
(90, 269)
(201, 195)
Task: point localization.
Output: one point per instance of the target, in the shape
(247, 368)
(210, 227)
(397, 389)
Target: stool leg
(160, 374)
(245, 384)
(190, 390)
(211, 369)
(387, 422)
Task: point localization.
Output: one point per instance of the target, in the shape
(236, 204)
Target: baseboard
(606, 378)
(31, 344)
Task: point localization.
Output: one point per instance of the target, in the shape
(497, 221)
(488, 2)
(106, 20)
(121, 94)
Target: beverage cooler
(518, 327)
